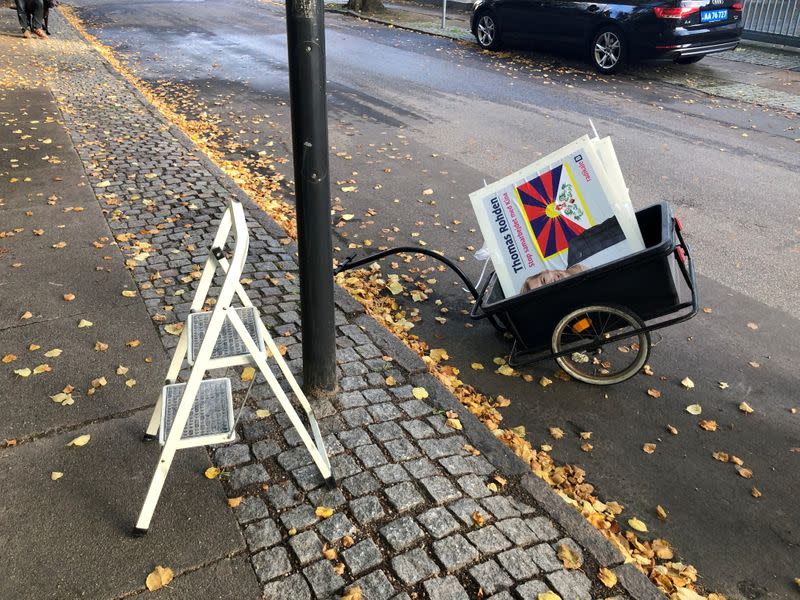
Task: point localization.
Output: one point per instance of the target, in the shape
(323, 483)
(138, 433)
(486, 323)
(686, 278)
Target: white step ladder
(200, 411)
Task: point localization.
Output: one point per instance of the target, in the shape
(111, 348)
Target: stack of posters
(568, 212)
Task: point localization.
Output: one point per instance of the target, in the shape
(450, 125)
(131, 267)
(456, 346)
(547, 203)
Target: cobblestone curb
(417, 512)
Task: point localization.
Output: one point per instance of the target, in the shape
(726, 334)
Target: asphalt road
(410, 112)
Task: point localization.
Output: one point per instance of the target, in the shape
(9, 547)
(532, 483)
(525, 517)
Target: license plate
(712, 16)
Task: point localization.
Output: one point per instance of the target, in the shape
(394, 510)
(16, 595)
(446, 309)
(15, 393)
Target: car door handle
(593, 8)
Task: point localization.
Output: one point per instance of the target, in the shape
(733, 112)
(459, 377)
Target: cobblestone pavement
(411, 490)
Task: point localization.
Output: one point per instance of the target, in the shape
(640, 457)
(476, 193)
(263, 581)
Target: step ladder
(200, 411)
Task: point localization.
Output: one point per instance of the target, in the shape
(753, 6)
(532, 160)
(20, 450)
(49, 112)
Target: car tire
(487, 31)
(609, 50)
(689, 60)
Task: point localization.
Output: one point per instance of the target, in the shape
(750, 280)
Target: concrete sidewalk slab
(28, 409)
(69, 538)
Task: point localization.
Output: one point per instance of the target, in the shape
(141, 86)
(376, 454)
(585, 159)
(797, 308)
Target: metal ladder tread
(229, 344)
(211, 418)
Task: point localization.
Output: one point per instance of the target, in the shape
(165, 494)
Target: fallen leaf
(548, 596)
(248, 373)
(262, 413)
(45, 368)
(708, 425)
(662, 549)
(121, 370)
(26, 315)
(754, 364)
(339, 569)
(568, 557)
(746, 408)
(544, 381)
(99, 382)
(129, 293)
(419, 393)
(56, 475)
(84, 323)
(556, 432)
(353, 593)
(9, 358)
(323, 512)
(53, 353)
(234, 502)
(133, 344)
(744, 472)
(427, 192)
(587, 447)
(722, 385)
(348, 541)
(100, 346)
(637, 524)
(661, 513)
(439, 354)
(212, 472)
(390, 381)
(752, 326)
(755, 492)
(68, 297)
(721, 456)
(174, 328)
(607, 577)
(687, 383)
(694, 409)
(23, 372)
(160, 577)
(653, 392)
(505, 370)
(81, 440)
(649, 448)
(478, 519)
(454, 424)
(672, 429)
(477, 366)
(130, 383)
(647, 370)
(34, 347)
(59, 245)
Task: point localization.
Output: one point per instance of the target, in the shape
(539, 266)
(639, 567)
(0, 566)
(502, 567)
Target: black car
(612, 33)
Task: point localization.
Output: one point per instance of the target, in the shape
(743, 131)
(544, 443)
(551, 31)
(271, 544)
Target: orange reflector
(582, 325)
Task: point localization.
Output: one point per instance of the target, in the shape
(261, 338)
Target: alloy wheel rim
(485, 30)
(607, 50)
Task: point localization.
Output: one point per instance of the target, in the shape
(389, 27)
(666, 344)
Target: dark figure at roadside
(36, 10)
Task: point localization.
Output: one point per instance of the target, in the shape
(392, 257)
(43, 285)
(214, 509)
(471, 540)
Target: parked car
(613, 33)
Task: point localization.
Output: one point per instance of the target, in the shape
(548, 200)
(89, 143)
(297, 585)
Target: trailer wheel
(589, 358)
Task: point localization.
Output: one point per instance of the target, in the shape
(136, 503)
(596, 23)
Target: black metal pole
(305, 30)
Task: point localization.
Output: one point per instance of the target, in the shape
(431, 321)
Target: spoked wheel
(487, 32)
(589, 357)
(608, 50)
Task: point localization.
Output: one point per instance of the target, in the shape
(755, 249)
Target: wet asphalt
(410, 112)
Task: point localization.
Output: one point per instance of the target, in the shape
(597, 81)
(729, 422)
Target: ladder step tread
(229, 343)
(211, 414)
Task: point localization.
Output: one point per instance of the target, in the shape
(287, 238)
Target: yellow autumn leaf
(129, 293)
(23, 372)
(248, 373)
(478, 519)
(505, 370)
(454, 423)
(121, 370)
(661, 513)
(649, 448)
(323, 512)
(347, 217)
(38, 369)
(607, 577)
(708, 425)
(100, 346)
(439, 354)
(653, 392)
(544, 381)
(262, 413)
(212, 472)
(353, 593)
(69, 297)
(548, 596)
(477, 366)
(56, 475)
(234, 502)
(746, 408)
(133, 344)
(687, 383)
(81, 440)
(637, 525)
(694, 409)
(556, 432)
(420, 393)
(53, 353)
(84, 323)
(59, 245)
(568, 557)
(160, 577)
(9, 358)
(26, 315)
(174, 328)
(130, 383)
(390, 381)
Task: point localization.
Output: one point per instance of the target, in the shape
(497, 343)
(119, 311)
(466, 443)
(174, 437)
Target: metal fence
(773, 21)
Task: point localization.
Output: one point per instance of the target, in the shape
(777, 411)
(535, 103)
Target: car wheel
(689, 60)
(608, 51)
(487, 32)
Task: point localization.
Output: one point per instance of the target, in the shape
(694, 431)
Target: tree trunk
(366, 5)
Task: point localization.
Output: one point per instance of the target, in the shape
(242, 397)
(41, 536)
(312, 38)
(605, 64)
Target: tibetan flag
(553, 211)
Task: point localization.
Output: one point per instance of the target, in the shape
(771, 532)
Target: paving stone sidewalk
(411, 490)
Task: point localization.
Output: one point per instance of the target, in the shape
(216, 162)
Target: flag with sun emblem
(569, 209)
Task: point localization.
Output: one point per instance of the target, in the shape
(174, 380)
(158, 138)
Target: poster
(566, 213)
